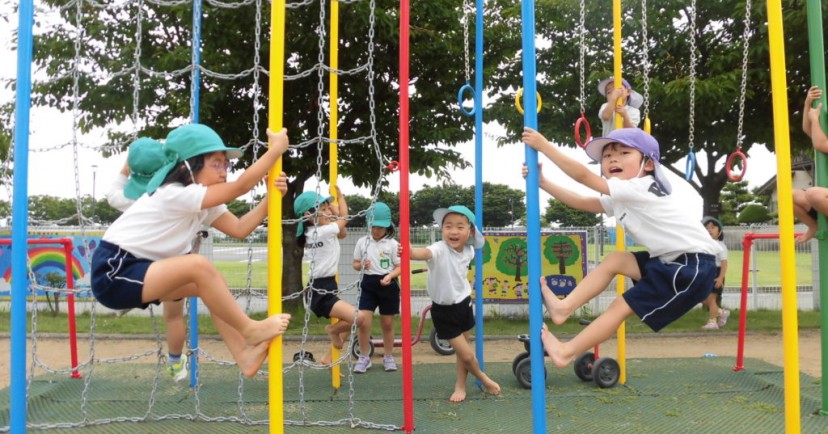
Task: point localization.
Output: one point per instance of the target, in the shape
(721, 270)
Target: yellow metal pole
(790, 342)
(619, 231)
(275, 112)
(333, 173)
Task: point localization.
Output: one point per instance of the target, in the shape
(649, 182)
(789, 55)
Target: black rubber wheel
(523, 373)
(525, 339)
(606, 372)
(308, 356)
(440, 346)
(517, 360)
(583, 366)
(355, 348)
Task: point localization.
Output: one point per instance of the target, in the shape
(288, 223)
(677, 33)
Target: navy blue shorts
(668, 291)
(321, 304)
(118, 277)
(452, 320)
(374, 295)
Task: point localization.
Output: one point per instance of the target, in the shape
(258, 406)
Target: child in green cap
(144, 259)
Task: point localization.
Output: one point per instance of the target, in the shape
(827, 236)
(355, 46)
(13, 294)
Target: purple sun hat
(637, 139)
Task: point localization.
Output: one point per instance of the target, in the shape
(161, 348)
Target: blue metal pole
(20, 222)
(195, 89)
(530, 117)
(478, 178)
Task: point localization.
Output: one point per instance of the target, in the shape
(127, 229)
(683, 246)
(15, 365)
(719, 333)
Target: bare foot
(491, 387)
(552, 346)
(459, 394)
(326, 358)
(807, 236)
(553, 304)
(267, 329)
(336, 339)
(252, 358)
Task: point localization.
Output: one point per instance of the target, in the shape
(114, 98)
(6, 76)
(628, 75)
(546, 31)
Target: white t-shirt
(722, 255)
(448, 281)
(322, 249)
(609, 126)
(163, 225)
(115, 195)
(382, 254)
(664, 223)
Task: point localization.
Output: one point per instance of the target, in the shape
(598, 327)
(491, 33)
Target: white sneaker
(388, 363)
(711, 325)
(723, 316)
(362, 364)
(178, 370)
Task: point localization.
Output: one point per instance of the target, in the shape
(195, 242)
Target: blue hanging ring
(690, 166)
(462, 90)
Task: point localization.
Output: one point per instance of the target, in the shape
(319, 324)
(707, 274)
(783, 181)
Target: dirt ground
(54, 352)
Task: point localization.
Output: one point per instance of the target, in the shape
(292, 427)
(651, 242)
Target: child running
(450, 291)
(321, 243)
(718, 316)
(376, 255)
(143, 257)
(671, 278)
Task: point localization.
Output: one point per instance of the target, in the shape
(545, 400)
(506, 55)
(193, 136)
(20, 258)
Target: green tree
(512, 257)
(734, 199)
(427, 199)
(754, 213)
(564, 216)
(561, 250)
(718, 76)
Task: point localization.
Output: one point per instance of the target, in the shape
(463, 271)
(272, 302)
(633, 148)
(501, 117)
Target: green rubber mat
(701, 395)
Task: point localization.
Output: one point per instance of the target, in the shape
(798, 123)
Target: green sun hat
(477, 239)
(186, 142)
(145, 157)
(379, 215)
(306, 202)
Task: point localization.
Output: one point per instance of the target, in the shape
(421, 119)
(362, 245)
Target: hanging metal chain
(581, 51)
(466, 19)
(645, 52)
(743, 86)
(692, 17)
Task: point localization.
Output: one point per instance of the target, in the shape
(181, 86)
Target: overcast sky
(53, 172)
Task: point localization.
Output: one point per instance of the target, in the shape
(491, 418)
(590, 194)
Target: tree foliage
(502, 205)
(560, 214)
(754, 213)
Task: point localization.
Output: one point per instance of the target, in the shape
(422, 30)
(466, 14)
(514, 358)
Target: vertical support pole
(620, 238)
(333, 164)
(478, 180)
(530, 119)
(70, 306)
(275, 113)
(790, 342)
(816, 50)
(405, 226)
(20, 219)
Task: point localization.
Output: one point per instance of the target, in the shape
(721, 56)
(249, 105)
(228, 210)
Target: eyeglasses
(219, 165)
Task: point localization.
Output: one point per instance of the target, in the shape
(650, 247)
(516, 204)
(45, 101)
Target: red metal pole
(70, 303)
(405, 236)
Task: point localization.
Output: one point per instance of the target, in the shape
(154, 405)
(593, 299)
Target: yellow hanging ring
(519, 95)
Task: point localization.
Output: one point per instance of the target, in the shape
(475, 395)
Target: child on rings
(450, 291)
(628, 109)
(713, 302)
(143, 257)
(671, 278)
(326, 224)
(807, 203)
(376, 255)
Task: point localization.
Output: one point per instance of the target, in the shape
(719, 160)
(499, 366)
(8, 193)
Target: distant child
(144, 256)
(321, 243)
(376, 255)
(144, 158)
(807, 203)
(628, 109)
(671, 278)
(713, 302)
(450, 291)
